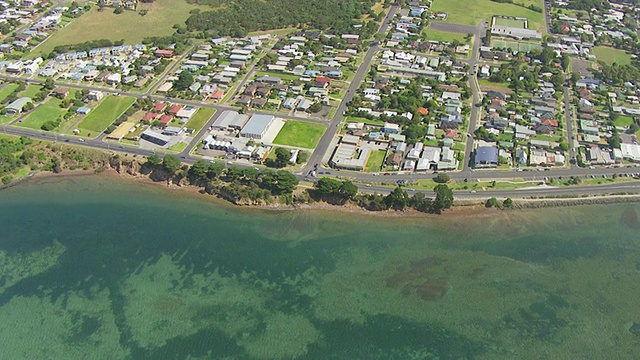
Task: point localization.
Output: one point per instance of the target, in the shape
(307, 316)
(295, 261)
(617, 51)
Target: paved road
(327, 139)
(569, 126)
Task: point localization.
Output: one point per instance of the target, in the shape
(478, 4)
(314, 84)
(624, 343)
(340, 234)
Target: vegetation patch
(300, 133)
(375, 161)
(49, 111)
(200, 118)
(103, 115)
(129, 26)
(611, 55)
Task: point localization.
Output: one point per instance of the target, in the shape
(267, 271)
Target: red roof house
(322, 81)
(159, 107)
(174, 109)
(164, 53)
(450, 133)
(218, 94)
(165, 119)
(423, 111)
(149, 117)
(549, 122)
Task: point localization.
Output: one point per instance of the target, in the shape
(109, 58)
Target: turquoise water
(96, 268)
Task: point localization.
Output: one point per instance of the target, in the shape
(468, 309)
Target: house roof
(159, 106)
(149, 116)
(165, 119)
(174, 109)
(486, 154)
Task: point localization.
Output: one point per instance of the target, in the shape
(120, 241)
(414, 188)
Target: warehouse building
(155, 137)
(230, 120)
(257, 126)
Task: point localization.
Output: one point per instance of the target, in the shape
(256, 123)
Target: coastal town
(533, 97)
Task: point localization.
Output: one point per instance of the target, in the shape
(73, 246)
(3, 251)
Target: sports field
(472, 12)
(515, 45)
(130, 26)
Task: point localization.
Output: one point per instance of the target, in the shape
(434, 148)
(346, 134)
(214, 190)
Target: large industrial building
(257, 126)
(230, 120)
(155, 137)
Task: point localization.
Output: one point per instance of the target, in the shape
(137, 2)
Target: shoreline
(460, 208)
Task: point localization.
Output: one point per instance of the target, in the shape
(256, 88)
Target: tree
(397, 199)
(444, 198)
(348, 190)
(327, 186)
(282, 157)
(198, 170)
(171, 163)
(315, 108)
(507, 203)
(214, 170)
(185, 79)
(492, 203)
(48, 84)
(442, 178)
(154, 160)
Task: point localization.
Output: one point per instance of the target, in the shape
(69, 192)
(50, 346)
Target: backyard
(103, 115)
(300, 133)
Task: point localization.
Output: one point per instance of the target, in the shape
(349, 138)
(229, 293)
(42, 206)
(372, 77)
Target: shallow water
(98, 268)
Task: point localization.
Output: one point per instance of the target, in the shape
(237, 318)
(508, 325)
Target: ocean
(96, 267)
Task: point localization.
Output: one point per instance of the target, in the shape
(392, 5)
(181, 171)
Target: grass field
(103, 115)
(200, 118)
(7, 90)
(50, 110)
(300, 133)
(515, 45)
(130, 26)
(510, 22)
(610, 55)
(623, 121)
(375, 161)
(30, 91)
(444, 36)
(179, 147)
(471, 12)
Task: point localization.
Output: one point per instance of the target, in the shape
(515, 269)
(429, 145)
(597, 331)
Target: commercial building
(350, 157)
(257, 126)
(155, 137)
(230, 119)
(486, 156)
(17, 105)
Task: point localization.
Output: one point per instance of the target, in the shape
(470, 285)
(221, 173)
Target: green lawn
(623, 121)
(7, 90)
(471, 12)
(283, 76)
(179, 147)
(375, 161)
(103, 115)
(200, 118)
(130, 26)
(610, 55)
(444, 36)
(50, 110)
(30, 91)
(300, 133)
(364, 120)
(510, 22)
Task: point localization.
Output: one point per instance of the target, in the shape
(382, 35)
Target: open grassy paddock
(515, 45)
(444, 36)
(471, 12)
(375, 161)
(50, 110)
(300, 133)
(7, 89)
(130, 26)
(200, 118)
(610, 55)
(103, 115)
